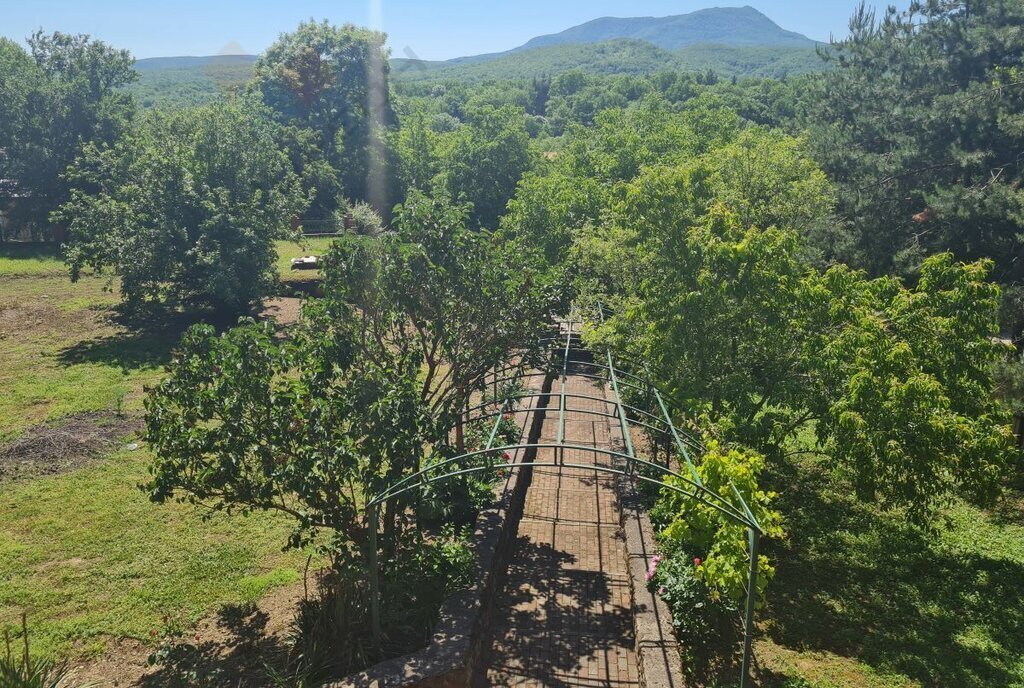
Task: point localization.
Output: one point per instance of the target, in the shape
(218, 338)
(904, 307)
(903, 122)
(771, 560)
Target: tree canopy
(185, 208)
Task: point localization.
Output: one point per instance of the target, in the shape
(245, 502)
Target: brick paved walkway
(564, 615)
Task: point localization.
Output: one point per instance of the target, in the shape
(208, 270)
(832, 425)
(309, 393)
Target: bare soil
(237, 644)
(65, 444)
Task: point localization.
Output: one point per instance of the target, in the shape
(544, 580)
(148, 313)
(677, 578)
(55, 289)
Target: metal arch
(552, 464)
(592, 412)
(729, 509)
(648, 385)
(571, 395)
(698, 491)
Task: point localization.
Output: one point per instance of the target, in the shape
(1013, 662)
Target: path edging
(658, 653)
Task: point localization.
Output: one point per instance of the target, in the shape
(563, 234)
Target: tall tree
(71, 98)
(484, 159)
(920, 122)
(334, 81)
(185, 208)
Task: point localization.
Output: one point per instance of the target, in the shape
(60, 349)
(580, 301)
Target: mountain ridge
(734, 26)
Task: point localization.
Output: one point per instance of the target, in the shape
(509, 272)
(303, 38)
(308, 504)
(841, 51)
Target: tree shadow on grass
(141, 341)
(863, 584)
(238, 658)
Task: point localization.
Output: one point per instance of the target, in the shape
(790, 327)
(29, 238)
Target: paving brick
(564, 615)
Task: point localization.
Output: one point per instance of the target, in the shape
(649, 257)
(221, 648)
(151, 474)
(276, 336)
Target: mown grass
(286, 250)
(90, 558)
(30, 259)
(863, 599)
(85, 553)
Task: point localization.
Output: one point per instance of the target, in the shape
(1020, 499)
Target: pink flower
(197, 637)
(697, 561)
(652, 568)
(661, 590)
(506, 456)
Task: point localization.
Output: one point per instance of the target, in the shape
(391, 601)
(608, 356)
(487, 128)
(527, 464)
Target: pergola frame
(737, 511)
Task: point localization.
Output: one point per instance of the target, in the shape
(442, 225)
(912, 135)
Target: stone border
(657, 650)
(457, 642)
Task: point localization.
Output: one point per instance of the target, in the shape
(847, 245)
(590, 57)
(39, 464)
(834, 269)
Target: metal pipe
(726, 507)
(372, 518)
(754, 539)
(627, 437)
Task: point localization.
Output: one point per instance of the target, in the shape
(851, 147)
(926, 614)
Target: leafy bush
(703, 570)
(331, 635)
(364, 220)
(704, 623)
(691, 528)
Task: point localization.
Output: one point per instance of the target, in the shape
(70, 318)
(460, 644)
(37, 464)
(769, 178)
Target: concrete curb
(657, 650)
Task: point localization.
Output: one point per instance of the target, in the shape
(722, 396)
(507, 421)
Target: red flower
(697, 561)
(506, 456)
(152, 633)
(197, 637)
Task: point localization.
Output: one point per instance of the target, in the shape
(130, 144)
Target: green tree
(702, 264)
(903, 387)
(68, 99)
(920, 122)
(185, 208)
(483, 160)
(334, 81)
(458, 298)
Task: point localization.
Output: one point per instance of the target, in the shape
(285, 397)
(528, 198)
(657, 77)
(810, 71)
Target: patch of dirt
(20, 318)
(283, 309)
(65, 444)
(235, 644)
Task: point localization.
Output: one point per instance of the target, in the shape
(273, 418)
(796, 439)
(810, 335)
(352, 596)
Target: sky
(427, 29)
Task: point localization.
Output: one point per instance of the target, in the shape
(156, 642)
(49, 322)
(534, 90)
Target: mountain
(150, 64)
(732, 26)
(733, 41)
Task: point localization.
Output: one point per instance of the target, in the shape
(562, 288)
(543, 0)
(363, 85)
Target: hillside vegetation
(618, 56)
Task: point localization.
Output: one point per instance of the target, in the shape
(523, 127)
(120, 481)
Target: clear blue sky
(432, 29)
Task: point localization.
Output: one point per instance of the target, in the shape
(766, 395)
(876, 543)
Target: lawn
(863, 599)
(83, 551)
(90, 558)
(286, 250)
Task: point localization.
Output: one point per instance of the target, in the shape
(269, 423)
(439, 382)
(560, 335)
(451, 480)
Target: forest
(821, 267)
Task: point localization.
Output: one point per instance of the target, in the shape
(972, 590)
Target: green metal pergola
(735, 509)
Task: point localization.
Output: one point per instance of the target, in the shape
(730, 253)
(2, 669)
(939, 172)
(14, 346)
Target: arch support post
(374, 572)
(754, 539)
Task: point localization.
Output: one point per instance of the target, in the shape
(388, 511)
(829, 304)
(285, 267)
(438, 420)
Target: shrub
(19, 669)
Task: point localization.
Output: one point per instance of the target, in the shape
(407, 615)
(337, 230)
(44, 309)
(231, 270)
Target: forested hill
(732, 41)
(722, 25)
(188, 80)
(619, 56)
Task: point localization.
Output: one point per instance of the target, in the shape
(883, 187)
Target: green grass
(89, 557)
(30, 259)
(85, 553)
(862, 599)
(286, 250)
